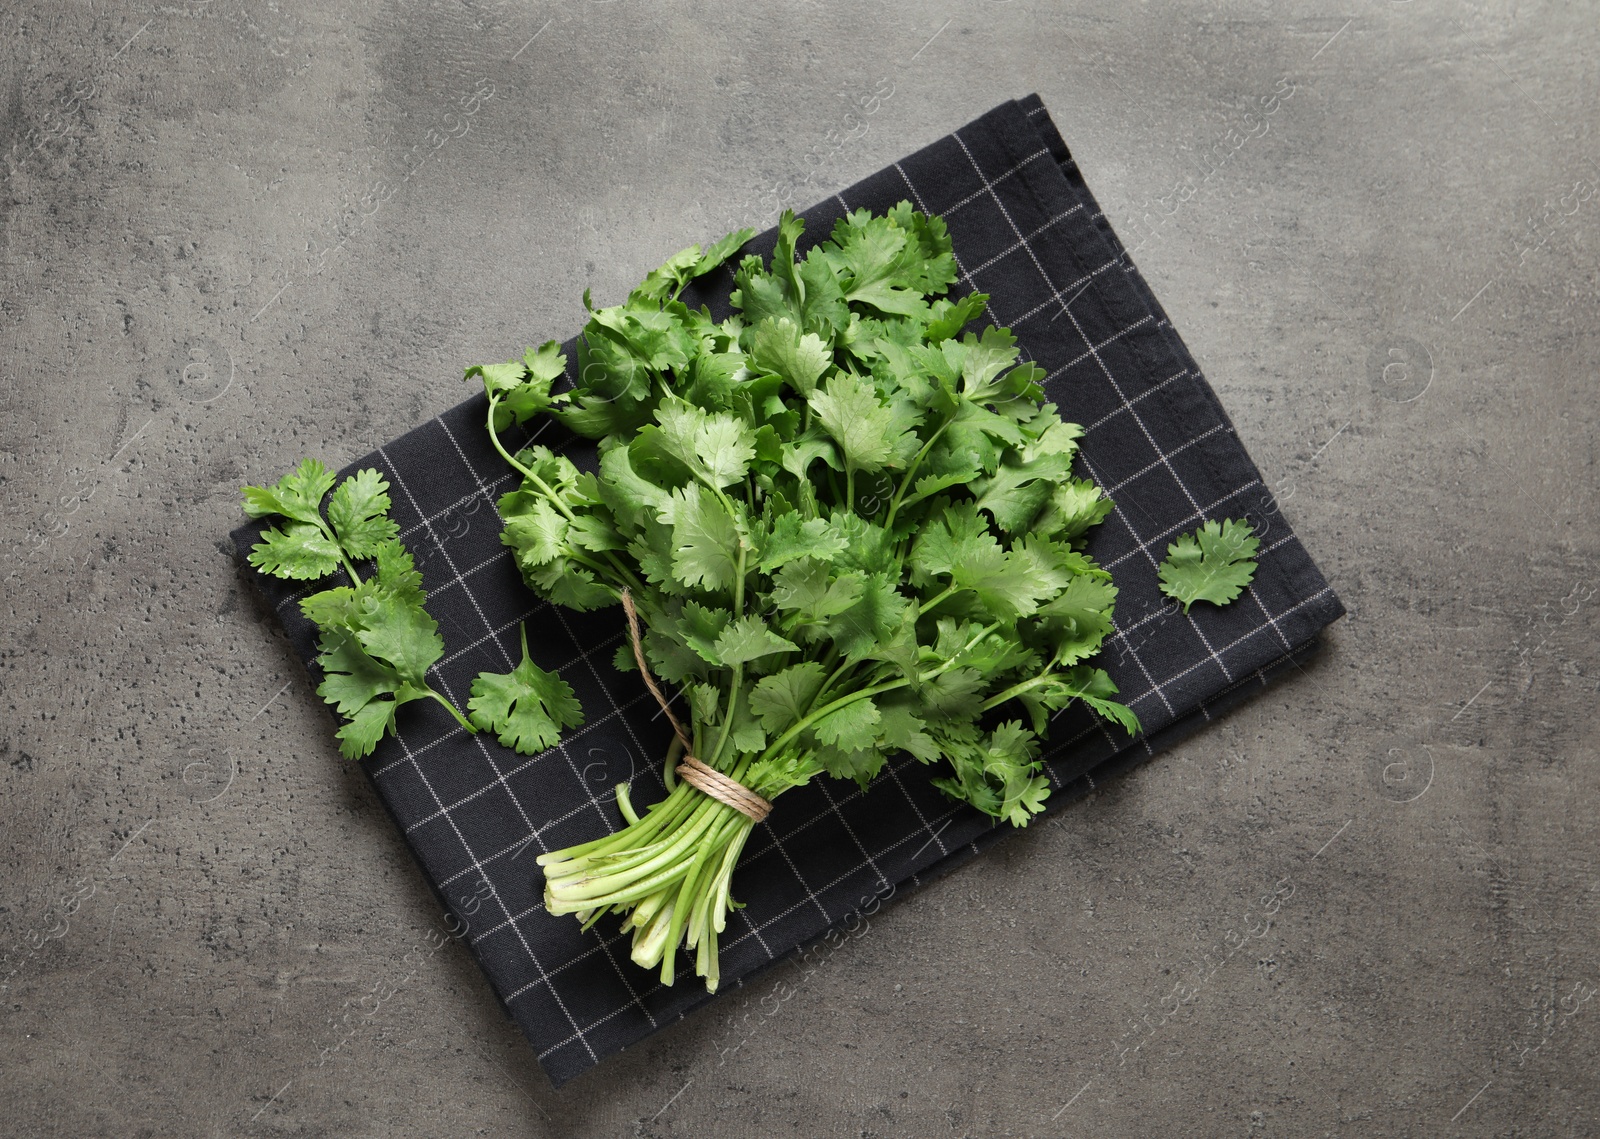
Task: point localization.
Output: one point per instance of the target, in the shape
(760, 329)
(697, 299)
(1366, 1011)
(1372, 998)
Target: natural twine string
(695, 773)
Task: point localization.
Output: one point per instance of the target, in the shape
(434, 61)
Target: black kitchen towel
(1027, 232)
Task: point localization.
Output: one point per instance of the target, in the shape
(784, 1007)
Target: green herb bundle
(851, 531)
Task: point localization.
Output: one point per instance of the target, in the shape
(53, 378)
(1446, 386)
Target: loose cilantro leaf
(1213, 564)
(525, 708)
(352, 679)
(400, 632)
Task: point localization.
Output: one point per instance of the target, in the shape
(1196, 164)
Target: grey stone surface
(1393, 289)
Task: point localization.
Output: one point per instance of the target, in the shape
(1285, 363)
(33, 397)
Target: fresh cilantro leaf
(1081, 682)
(870, 434)
(1213, 564)
(701, 627)
(331, 608)
(568, 583)
(792, 537)
(715, 447)
(402, 634)
(948, 318)
(748, 638)
(797, 456)
(706, 702)
(705, 540)
(823, 309)
(359, 736)
(359, 513)
(352, 679)
(301, 552)
(1078, 619)
(397, 573)
(982, 358)
(860, 764)
(849, 727)
(782, 699)
(1028, 477)
(721, 250)
(1012, 586)
(901, 729)
(520, 389)
(873, 620)
(956, 537)
(868, 254)
(595, 533)
(954, 695)
(1095, 688)
(762, 296)
(928, 262)
(1074, 506)
(297, 496)
(669, 279)
(800, 358)
(527, 707)
(808, 588)
(631, 497)
(749, 737)
(654, 340)
(532, 527)
(366, 690)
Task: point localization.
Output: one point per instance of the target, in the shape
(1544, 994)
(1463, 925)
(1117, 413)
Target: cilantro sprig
(376, 640)
(850, 526)
(1213, 564)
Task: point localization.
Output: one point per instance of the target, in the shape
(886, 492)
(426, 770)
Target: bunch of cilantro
(851, 529)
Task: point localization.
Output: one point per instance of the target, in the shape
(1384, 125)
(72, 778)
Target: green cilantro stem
(349, 567)
(833, 677)
(911, 471)
(737, 683)
(934, 602)
(472, 729)
(1017, 690)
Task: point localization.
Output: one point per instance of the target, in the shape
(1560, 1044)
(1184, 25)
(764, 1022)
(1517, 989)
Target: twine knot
(701, 776)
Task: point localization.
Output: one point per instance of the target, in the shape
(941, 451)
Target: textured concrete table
(241, 231)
